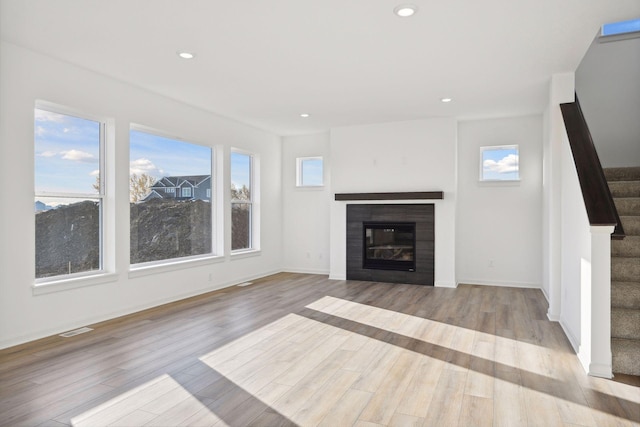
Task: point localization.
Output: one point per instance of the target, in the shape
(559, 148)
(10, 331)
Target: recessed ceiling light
(186, 55)
(446, 99)
(305, 115)
(405, 10)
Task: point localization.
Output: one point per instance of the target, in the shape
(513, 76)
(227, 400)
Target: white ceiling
(345, 62)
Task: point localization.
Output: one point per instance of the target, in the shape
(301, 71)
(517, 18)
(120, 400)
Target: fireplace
(392, 243)
(389, 245)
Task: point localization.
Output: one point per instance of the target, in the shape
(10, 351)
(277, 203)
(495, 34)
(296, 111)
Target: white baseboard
(500, 283)
(601, 370)
(306, 271)
(337, 276)
(553, 317)
(572, 339)
(47, 332)
(441, 284)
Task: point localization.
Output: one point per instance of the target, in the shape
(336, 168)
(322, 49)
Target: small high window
(499, 163)
(309, 172)
(622, 27)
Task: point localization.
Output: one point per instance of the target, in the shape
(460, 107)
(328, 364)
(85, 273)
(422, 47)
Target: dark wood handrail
(595, 191)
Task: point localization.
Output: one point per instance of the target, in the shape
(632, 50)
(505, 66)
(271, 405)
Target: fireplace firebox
(393, 243)
(389, 245)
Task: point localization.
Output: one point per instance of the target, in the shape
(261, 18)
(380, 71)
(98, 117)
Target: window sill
(310, 187)
(499, 183)
(60, 285)
(245, 253)
(146, 270)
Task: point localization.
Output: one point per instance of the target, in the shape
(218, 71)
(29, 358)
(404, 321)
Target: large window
(166, 224)
(241, 201)
(69, 193)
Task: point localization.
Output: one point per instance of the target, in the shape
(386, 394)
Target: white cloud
(95, 172)
(142, 165)
(47, 154)
(78, 156)
(48, 116)
(505, 165)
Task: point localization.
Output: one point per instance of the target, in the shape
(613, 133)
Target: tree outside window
(241, 201)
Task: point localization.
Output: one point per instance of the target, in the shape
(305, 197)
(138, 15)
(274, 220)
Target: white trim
(244, 253)
(572, 339)
(441, 284)
(6, 343)
(156, 267)
(322, 272)
(500, 283)
(601, 370)
(65, 283)
(337, 276)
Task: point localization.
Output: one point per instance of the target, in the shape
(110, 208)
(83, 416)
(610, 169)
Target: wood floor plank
(347, 410)
(419, 392)
(476, 411)
(299, 349)
(447, 399)
(387, 397)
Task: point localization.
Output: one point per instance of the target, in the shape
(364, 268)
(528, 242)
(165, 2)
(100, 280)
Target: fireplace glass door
(389, 246)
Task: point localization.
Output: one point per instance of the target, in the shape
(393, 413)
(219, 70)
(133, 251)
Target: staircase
(624, 184)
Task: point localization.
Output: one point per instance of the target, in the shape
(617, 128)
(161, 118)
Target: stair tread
(624, 185)
(625, 356)
(624, 189)
(622, 174)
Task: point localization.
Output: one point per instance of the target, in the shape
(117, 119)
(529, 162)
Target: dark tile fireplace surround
(414, 265)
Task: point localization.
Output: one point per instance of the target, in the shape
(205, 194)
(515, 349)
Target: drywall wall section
(576, 252)
(608, 87)
(417, 155)
(305, 233)
(26, 76)
(499, 224)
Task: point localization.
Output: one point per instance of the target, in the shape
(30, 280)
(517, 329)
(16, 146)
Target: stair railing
(598, 201)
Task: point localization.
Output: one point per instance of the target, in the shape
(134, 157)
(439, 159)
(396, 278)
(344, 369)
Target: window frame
(300, 172)
(72, 280)
(254, 243)
(483, 149)
(149, 267)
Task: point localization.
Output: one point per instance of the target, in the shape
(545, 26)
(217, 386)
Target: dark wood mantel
(407, 195)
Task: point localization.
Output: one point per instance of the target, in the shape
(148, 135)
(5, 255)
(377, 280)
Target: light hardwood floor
(296, 349)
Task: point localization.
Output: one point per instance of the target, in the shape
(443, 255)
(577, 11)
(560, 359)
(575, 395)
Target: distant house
(195, 187)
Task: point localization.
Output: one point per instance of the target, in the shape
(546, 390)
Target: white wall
(305, 212)
(415, 155)
(26, 76)
(499, 226)
(576, 248)
(608, 87)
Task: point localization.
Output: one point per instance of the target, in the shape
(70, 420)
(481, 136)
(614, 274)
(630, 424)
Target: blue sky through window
(240, 170)
(160, 156)
(67, 153)
(622, 27)
(500, 163)
(311, 172)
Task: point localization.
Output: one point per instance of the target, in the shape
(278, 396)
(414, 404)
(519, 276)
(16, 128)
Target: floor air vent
(75, 332)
